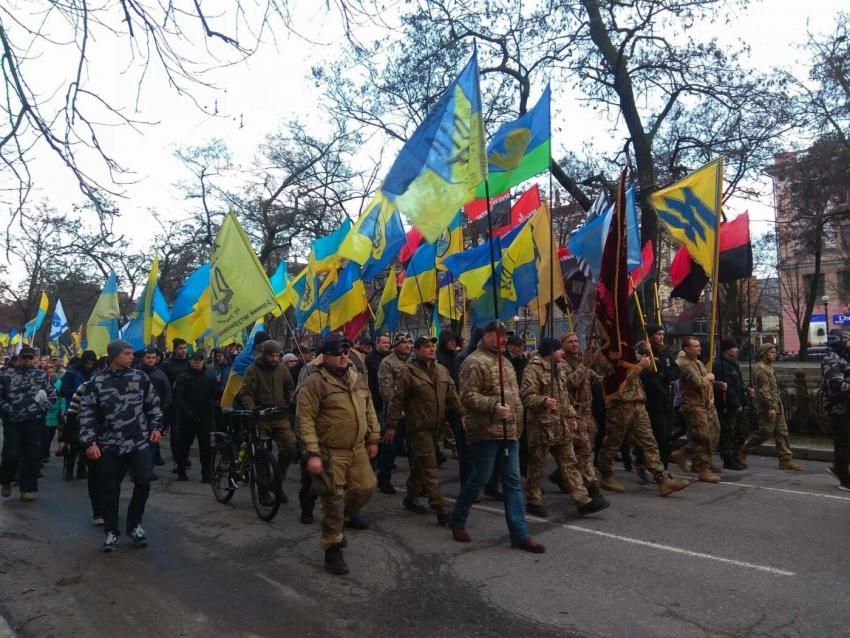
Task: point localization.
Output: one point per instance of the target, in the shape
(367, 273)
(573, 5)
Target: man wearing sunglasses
(26, 393)
(340, 432)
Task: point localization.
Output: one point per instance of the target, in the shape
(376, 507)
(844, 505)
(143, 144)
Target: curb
(800, 453)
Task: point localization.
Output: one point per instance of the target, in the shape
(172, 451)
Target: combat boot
(536, 510)
(556, 478)
(443, 516)
(731, 463)
(714, 467)
(596, 504)
(788, 464)
(667, 485)
(611, 484)
(593, 490)
(334, 562)
(680, 458)
(707, 476)
(411, 504)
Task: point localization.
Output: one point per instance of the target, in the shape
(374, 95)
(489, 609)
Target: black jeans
(387, 455)
(111, 468)
(661, 420)
(190, 429)
(841, 445)
(93, 482)
(22, 448)
(464, 453)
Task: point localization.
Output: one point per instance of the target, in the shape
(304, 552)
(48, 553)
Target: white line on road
(637, 541)
(775, 489)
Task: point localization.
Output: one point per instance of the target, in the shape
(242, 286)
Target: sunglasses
(27, 356)
(338, 353)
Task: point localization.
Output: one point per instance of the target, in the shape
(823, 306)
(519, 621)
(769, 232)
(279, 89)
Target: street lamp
(825, 301)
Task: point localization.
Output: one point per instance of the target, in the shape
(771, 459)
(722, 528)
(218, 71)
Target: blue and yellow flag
(102, 326)
(280, 286)
(420, 280)
(387, 318)
(375, 238)
(443, 162)
(308, 312)
(239, 287)
(4, 339)
(520, 149)
(448, 297)
(36, 322)
(690, 211)
(324, 252)
(450, 242)
(151, 314)
(518, 268)
(237, 370)
(347, 299)
(472, 268)
(190, 315)
(549, 275)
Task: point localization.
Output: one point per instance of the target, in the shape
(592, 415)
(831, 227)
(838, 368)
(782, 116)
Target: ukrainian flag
(280, 286)
(237, 370)
(347, 299)
(102, 326)
(520, 149)
(324, 250)
(690, 211)
(151, 314)
(308, 312)
(35, 323)
(375, 238)
(443, 162)
(447, 298)
(388, 317)
(420, 281)
(472, 268)
(450, 242)
(191, 315)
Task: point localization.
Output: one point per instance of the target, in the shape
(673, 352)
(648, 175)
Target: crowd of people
(347, 411)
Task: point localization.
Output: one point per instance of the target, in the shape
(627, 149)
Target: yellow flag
(549, 274)
(239, 287)
(689, 210)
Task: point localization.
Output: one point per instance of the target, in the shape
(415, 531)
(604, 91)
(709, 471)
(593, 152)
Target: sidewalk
(804, 447)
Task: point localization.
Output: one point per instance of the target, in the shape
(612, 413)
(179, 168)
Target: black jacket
(160, 384)
(373, 362)
(657, 383)
(728, 371)
(194, 393)
(173, 368)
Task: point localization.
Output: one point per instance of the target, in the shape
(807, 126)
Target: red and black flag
(612, 299)
(736, 261)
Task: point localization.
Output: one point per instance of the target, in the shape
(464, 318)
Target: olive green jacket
(424, 395)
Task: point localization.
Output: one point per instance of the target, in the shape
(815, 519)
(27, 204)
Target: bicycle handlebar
(261, 412)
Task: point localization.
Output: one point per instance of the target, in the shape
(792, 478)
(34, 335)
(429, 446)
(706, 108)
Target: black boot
(596, 504)
(731, 463)
(593, 490)
(334, 562)
(443, 516)
(536, 510)
(412, 505)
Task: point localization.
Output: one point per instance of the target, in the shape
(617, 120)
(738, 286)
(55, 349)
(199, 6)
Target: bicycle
(240, 455)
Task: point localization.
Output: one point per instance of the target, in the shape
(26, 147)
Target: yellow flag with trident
(239, 287)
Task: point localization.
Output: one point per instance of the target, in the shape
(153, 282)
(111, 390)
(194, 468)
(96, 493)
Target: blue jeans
(486, 455)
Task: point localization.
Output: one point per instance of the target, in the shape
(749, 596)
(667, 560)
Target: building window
(807, 283)
(844, 284)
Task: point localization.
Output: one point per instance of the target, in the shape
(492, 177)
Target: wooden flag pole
(715, 288)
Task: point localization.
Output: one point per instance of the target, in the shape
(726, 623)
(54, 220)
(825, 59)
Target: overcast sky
(271, 87)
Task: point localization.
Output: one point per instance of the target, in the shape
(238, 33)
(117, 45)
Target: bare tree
(829, 98)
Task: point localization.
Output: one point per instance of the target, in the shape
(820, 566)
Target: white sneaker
(138, 536)
(110, 544)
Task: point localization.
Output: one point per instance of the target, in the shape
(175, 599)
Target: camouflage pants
(767, 426)
(702, 433)
(567, 465)
(732, 434)
(424, 476)
(630, 418)
(354, 482)
(583, 446)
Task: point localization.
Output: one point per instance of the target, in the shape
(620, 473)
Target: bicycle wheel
(222, 464)
(265, 484)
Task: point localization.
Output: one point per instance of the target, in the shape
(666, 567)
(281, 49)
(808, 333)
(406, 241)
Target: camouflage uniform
(835, 386)
(698, 409)
(627, 415)
(578, 378)
(766, 398)
(23, 422)
(119, 411)
(426, 395)
(549, 431)
(335, 421)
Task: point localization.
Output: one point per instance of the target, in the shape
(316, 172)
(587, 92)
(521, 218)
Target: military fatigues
(698, 409)
(835, 385)
(119, 411)
(268, 386)
(426, 395)
(336, 420)
(766, 398)
(578, 378)
(627, 415)
(23, 422)
(549, 431)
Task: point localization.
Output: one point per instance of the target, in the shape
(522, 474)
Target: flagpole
(551, 317)
(715, 288)
(657, 298)
(642, 322)
(495, 287)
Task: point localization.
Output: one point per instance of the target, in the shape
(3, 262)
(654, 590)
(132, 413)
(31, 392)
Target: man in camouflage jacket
(770, 416)
(119, 416)
(26, 393)
(835, 384)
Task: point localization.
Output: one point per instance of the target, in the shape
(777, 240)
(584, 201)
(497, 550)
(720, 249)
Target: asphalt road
(763, 554)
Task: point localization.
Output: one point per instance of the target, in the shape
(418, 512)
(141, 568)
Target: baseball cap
(422, 340)
(334, 343)
(198, 354)
(515, 340)
(493, 326)
(26, 351)
(401, 337)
